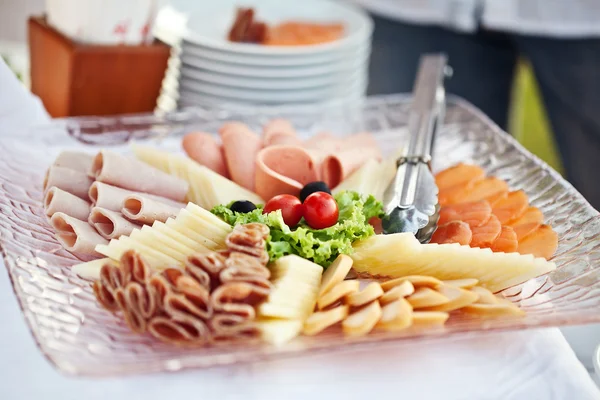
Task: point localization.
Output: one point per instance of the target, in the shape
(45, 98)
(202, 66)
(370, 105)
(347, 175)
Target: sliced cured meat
(145, 210)
(76, 235)
(459, 175)
(323, 138)
(241, 147)
(277, 127)
(204, 149)
(453, 232)
(337, 167)
(57, 200)
(283, 139)
(511, 207)
(494, 199)
(110, 224)
(284, 169)
(486, 234)
(130, 173)
(480, 190)
(76, 160)
(475, 214)
(542, 242)
(71, 181)
(111, 197)
(447, 196)
(507, 241)
(531, 219)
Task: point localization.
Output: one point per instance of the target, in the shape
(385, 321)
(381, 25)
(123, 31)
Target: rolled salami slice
(57, 200)
(204, 149)
(130, 173)
(76, 160)
(277, 127)
(76, 235)
(75, 182)
(145, 210)
(112, 198)
(241, 146)
(284, 169)
(111, 224)
(335, 168)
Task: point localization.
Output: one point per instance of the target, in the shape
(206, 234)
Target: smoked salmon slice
(481, 190)
(542, 242)
(475, 214)
(452, 232)
(494, 199)
(459, 175)
(486, 234)
(531, 219)
(507, 241)
(511, 207)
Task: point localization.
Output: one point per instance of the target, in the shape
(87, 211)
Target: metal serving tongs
(411, 200)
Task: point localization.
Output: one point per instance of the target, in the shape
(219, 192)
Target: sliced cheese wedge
(279, 331)
(401, 254)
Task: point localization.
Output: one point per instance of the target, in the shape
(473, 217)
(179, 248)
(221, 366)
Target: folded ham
(240, 146)
(57, 200)
(130, 173)
(76, 235)
(204, 149)
(110, 224)
(75, 182)
(284, 169)
(337, 167)
(76, 160)
(279, 131)
(112, 198)
(145, 210)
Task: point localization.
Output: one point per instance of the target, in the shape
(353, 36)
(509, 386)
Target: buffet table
(537, 364)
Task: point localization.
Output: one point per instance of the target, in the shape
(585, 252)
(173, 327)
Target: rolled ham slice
(71, 181)
(111, 197)
(284, 169)
(110, 224)
(130, 173)
(145, 210)
(76, 160)
(57, 200)
(331, 144)
(283, 139)
(204, 149)
(241, 147)
(335, 168)
(76, 235)
(277, 128)
(325, 141)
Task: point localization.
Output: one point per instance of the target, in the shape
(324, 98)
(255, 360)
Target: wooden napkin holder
(74, 79)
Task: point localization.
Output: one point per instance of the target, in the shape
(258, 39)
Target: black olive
(243, 206)
(313, 187)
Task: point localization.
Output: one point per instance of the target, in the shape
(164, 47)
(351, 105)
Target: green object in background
(528, 121)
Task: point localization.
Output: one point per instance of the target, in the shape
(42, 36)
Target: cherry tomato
(290, 206)
(320, 210)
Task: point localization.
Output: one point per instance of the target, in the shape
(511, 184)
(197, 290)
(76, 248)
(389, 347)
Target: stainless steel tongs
(411, 200)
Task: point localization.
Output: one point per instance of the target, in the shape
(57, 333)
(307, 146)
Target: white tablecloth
(520, 365)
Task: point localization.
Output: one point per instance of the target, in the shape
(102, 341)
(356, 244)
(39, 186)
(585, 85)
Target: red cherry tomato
(290, 206)
(320, 210)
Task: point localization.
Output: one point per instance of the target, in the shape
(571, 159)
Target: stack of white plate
(207, 69)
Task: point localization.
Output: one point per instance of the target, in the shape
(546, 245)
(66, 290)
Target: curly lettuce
(322, 246)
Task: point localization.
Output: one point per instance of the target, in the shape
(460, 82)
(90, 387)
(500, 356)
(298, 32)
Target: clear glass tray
(79, 337)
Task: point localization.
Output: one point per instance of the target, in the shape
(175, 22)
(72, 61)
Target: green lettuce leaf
(322, 246)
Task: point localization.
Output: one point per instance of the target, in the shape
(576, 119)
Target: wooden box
(74, 79)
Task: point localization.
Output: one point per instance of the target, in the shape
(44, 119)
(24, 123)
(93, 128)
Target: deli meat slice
(145, 210)
(76, 235)
(57, 200)
(76, 160)
(204, 149)
(284, 169)
(75, 182)
(111, 197)
(110, 224)
(241, 147)
(279, 131)
(337, 167)
(130, 173)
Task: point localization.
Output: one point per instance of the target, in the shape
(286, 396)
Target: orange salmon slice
(481, 190)
(459, 175)
(452, 232)
(511, 207)
(531, 219)
(475, 214)
(486, 234)
(542, 242)
(507, 241)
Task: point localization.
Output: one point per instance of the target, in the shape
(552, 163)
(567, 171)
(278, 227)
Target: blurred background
(196, 77)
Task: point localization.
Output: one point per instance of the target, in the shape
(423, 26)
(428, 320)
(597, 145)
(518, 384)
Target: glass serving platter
(80, 338)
